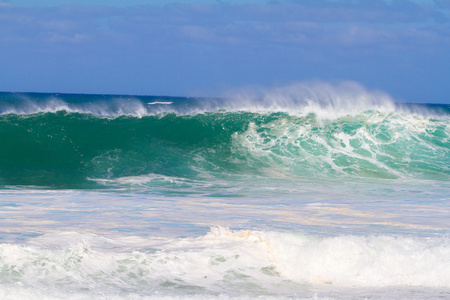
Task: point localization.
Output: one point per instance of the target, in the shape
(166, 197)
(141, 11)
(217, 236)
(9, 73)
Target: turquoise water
(329, 192)
(61, 144)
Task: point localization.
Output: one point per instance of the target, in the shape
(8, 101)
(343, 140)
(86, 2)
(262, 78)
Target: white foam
(148, 181)
(363, 261)
(325, 100)
(223, 258)
(368, 144)
(160, 102)
(113, 107)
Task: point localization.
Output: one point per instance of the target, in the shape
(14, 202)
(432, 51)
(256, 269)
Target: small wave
(160, 102)
(252, 262)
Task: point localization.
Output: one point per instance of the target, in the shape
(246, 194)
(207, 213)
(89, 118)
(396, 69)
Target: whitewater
(308, 191)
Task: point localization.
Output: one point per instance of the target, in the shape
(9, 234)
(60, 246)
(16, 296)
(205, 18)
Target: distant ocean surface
(314, 192)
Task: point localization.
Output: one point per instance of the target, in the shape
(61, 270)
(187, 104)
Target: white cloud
(73, 38)
(304, 24)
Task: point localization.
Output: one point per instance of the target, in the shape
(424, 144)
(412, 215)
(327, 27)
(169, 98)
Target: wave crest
(325, 100)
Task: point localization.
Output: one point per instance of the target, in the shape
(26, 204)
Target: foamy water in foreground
(310, 192)
(313, 244)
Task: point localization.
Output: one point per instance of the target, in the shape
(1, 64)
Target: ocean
(312, 191)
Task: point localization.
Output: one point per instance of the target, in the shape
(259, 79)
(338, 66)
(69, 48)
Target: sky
(209, 47)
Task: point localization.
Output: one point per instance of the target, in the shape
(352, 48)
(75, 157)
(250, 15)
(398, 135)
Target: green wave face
(69, 149)
(66, 148)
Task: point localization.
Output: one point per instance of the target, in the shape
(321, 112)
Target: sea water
(313, 191)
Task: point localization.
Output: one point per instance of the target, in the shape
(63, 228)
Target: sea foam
(222, 258)
(325, 100)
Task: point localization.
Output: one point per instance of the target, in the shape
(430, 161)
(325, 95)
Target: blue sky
(206, 47)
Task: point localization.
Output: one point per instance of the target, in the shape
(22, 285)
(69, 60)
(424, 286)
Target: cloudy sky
(208, 47)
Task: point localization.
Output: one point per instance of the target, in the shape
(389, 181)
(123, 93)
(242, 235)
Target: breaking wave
(319, 131)
(248, 261)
